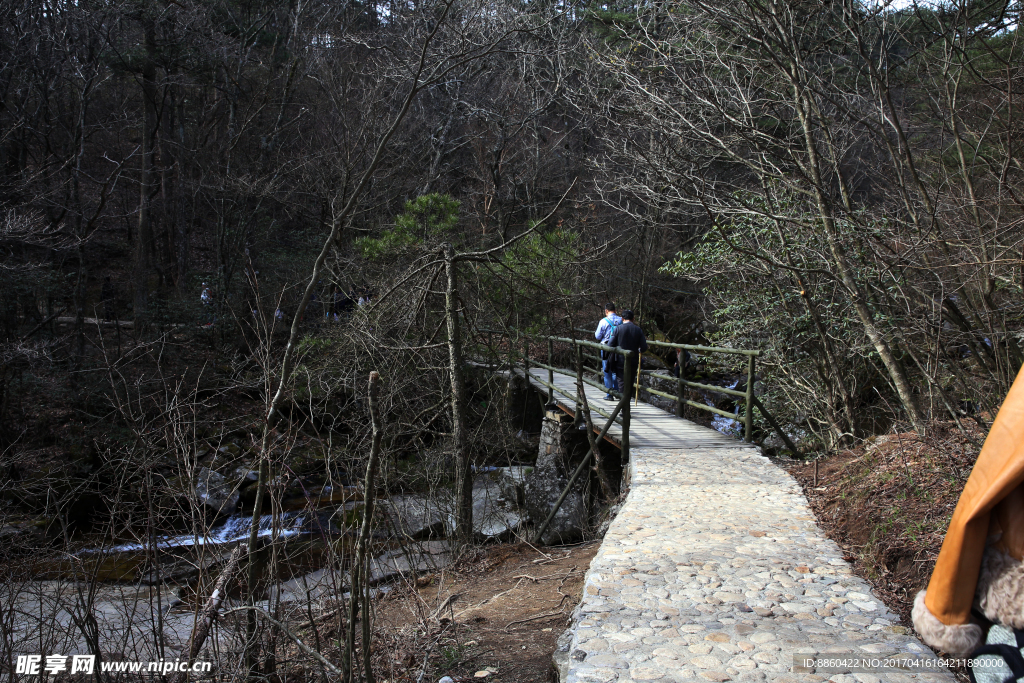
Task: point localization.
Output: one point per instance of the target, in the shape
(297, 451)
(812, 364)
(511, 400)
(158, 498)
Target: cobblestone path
(715, 570)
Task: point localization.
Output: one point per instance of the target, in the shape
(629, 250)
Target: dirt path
(510, 604)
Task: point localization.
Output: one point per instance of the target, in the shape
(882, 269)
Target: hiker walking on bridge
(605, 330)
(629, 337)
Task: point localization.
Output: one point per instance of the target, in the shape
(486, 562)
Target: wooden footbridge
(649, 427)
(638, 423)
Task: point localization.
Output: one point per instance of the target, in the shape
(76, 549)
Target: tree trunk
(181, 226)
(201, 630)
(360, 572)
(864, 313)
(463, 472)
(144, 233)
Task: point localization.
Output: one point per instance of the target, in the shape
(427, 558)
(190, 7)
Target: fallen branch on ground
(213, 603)
(447, 603)
(539, 616)
(544, 578)
(325, 615)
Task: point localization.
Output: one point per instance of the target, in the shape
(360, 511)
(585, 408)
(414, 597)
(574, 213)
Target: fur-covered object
(1001, 588)
(955, 639)
(1000, 597)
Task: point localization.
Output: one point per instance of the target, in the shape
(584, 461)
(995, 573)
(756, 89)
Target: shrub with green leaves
(426, 219)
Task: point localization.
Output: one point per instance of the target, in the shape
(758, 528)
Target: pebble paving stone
(715, 570)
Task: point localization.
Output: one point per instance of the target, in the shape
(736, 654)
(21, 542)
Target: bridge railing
(622, 414)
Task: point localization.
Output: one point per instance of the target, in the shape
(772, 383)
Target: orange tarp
(993, 494)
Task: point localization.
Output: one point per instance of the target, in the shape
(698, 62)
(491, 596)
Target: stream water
(730, 426)
(238, 528)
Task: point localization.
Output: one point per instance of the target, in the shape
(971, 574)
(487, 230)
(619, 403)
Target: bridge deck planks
(650, 427)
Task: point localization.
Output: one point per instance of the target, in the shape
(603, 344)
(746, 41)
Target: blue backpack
(612, 324)
(608, 355)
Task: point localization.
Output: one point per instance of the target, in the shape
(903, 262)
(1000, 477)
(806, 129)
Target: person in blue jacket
(605, 329)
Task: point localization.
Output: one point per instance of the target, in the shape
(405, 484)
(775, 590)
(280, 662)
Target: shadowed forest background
(217, 218)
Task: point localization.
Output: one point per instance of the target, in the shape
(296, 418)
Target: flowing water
(732, 427)
(238, 527)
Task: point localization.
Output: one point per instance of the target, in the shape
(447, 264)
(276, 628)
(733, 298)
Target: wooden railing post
(578, 413)
(526, 362)
(748, 418)
(551, 373)
(679, 393)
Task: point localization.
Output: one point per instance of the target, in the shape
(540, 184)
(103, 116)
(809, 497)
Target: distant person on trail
(629, 337)
(605, 329)
(206, 296)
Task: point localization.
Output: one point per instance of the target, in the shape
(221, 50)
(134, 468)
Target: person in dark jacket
(629, 337)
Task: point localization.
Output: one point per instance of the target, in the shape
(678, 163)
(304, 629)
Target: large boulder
(512, 481)
(543, 487)
(413, 516)
(410, 560)
(496, 512)
(328, 583)
(245, 477)
(324, 583)
(215, 492)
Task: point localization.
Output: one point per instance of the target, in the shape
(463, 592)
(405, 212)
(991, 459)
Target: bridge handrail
(593, 345)
(568, 395)
(688, 402)
(696, 347)
(570, 340)
(707, 349)
(747, 395)
(697, 385)
(561, 371)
